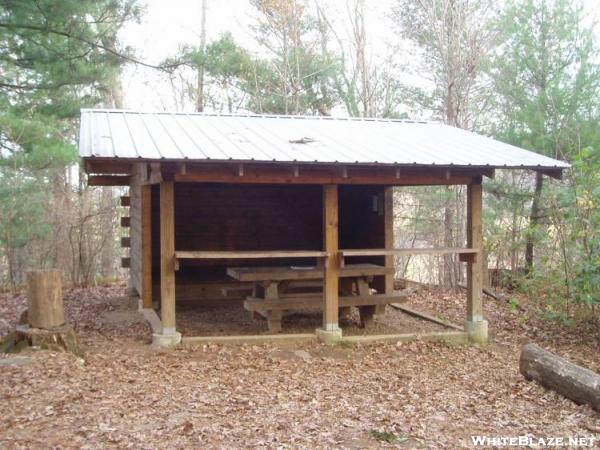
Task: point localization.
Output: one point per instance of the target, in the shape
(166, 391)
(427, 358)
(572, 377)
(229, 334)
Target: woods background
(525, 72)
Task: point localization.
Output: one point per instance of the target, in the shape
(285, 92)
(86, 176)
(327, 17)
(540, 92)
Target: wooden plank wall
(135, 230)
(362, 223)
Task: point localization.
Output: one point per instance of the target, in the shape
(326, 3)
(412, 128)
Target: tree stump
(58, 339)
(44, 298)
(43, 324)
(553, 372)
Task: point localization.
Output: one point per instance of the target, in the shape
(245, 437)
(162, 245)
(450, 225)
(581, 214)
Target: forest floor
(127, 394)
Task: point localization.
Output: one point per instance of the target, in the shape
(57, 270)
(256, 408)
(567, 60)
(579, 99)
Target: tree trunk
(553, 372)
(534, 221)
(448, 276)
(200, 84)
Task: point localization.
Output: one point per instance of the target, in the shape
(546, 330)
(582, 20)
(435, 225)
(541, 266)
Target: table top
(280, 273)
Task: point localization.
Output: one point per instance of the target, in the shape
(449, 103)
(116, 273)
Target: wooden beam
(125, 221)
(331, 269)
(108, 166)
(147, 246)
(556, 174)
(126, 242)
(155, 173)
(167, 256)
(474, 241)
(407, 251)
(249, 254)
(425, 316)
(321, 175)
(125, 200)
(109, 180)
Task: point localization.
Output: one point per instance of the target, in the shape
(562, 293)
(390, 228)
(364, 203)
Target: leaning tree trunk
(553, 372)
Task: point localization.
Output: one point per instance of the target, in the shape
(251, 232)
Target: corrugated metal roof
(194, 136)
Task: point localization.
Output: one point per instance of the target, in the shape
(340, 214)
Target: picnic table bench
(285, 288)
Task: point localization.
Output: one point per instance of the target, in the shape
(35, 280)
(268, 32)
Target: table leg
(366, 312)
(274, 316)
(346, 289)
(274, 320)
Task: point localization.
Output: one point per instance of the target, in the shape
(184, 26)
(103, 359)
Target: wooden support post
(147, 246)
(388, 210)
(167, 256)
(330, 244)
(44, 299)
(476, 326)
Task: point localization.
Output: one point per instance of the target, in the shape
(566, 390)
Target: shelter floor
(230, 318)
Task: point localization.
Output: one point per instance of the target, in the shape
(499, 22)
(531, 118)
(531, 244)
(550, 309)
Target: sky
(169, 24)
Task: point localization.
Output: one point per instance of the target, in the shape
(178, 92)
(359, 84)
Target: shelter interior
(260, 217)
(277, 238)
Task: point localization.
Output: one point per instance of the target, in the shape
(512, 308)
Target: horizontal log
(126, 242)
(109, 180)
(125, 200)
(125, 221)
(553, 372)
(108, 166)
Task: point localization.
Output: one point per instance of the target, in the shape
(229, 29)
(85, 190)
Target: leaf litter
(409, 395)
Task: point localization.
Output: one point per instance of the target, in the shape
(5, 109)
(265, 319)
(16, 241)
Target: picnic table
(277, 289)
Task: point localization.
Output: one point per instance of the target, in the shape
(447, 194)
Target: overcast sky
(166, 25)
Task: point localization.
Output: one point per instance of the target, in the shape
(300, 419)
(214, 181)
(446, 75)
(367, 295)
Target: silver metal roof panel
(221, 137)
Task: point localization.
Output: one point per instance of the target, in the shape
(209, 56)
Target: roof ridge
(253, 115)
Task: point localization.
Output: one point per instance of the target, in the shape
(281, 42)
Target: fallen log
(553, 372)
(487, 292)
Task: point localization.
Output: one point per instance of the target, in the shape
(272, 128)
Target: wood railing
(465, 254)
(252, 254)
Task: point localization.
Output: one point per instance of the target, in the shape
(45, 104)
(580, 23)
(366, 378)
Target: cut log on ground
(553, 372)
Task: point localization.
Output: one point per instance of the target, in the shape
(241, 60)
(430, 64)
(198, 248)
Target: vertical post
(147, 246)
(167, 257)
(331, 330)
(475, 325)
(388, 211)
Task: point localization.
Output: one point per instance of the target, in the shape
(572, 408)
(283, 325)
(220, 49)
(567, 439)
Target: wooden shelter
(286, 211)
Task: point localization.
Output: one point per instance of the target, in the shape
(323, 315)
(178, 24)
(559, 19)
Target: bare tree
(200, 79)
(453, 38)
